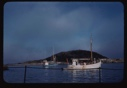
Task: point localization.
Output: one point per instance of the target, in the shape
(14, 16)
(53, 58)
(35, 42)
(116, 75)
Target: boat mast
(91, 47)
(53, 53)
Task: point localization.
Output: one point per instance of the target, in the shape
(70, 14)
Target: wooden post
(25, 74)
(99, 75)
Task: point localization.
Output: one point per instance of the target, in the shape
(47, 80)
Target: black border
(58, 85)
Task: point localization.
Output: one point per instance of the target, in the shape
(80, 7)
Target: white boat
(76, 65)
(50, 63)
(45, 63)
(53, 62)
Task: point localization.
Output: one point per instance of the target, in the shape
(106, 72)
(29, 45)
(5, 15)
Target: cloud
(34, 28)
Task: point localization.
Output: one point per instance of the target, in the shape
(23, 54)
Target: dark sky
(32, 29)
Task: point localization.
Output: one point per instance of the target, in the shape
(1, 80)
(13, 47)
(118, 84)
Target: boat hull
(90, 66)
(53, 63)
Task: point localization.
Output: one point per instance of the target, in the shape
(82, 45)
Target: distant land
(62, 56)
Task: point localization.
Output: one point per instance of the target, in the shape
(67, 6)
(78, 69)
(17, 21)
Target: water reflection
(89, 75)
(46, 66)
(49, 75)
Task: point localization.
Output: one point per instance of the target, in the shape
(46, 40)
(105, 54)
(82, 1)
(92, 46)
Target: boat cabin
(45, 62)
(82, 61)
(75, 62)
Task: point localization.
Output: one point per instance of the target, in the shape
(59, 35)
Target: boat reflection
(46, 66)
(89, 75)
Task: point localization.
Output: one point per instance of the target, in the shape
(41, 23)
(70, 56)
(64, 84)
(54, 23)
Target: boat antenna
(91, 47)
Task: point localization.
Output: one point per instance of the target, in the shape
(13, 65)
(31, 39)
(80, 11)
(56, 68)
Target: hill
(61, 57)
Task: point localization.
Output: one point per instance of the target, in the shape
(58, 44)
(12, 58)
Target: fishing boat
(93, 63)
(50, 63)
(76, 65)
(45, 63)
(53, 62)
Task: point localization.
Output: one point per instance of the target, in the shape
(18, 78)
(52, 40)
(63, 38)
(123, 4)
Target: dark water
(56, 75)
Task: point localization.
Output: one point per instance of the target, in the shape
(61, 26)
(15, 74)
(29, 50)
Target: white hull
(95, 65)
(46, 64)
(53, 63)
(50, 64)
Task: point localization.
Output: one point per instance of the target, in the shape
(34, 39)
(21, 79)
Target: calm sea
(54, 74)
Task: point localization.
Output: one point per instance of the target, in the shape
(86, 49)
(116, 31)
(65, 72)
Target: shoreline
(39, 64)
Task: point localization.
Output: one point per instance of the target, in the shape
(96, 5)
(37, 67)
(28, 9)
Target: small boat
(93, 64)
(45, 63)
(53, 62)
(50, 63)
